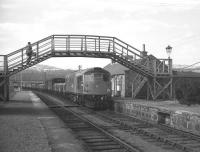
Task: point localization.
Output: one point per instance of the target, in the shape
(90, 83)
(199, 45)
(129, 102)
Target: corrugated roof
(115, 68)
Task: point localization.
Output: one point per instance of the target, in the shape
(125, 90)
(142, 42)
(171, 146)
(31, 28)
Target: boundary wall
(179, 119)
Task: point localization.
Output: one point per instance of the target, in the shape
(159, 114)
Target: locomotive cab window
(88, 77)
(98, 76)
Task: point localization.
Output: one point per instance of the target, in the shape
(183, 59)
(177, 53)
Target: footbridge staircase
(156, 73)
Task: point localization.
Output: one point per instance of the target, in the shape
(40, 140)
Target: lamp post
(169, 51)
(171, 90)
(21, 80)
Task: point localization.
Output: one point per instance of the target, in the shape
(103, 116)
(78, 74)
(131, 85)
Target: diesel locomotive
(90, 87)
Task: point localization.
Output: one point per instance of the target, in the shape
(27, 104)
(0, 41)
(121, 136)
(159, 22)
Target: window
(98, 76)
(88, 77)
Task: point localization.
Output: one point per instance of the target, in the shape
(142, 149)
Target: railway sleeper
(90, 137)
(195, 146)
(77, 124)
(156, 135)
(179, 146)
(176, 138)
(98, 140)
(107, 147)
(104, 143)
(89, 133)
(80, 128)
(74, 121)
(191, 144)
(93, 137)
(114, 150)
(163, 139)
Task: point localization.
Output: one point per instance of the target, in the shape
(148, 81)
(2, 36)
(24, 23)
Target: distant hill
(186, 68)
(41, 67)
(40, 73)
(179, 66)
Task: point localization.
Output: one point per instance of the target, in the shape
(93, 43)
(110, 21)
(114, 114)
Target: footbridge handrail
(24, 48)
(128, 46)
(61, 45)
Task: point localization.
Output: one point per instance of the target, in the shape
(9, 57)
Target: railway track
(165, 137)
(169, 136)
(94, 137)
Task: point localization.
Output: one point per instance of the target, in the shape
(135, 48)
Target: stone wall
(136, 110)
(186, 121)
(182, 120)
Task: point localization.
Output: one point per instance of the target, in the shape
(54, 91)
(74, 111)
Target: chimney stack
(144, 52)
(79, 68)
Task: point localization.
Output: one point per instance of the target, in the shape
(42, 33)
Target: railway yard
(57, 124)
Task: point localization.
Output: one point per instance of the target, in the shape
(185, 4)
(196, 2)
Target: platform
(27, 125)
(169, 113)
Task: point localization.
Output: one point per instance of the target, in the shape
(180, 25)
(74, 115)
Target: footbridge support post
(4, 79)
(161, 85)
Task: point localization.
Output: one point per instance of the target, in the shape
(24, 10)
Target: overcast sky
(157, 23)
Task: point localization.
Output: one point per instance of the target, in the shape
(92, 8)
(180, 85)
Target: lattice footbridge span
(156, 73)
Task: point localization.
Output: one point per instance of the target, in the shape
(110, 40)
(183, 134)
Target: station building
(122, 80)
(127, 83)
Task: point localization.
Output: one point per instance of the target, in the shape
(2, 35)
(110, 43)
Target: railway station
(135, 90)
(137, 86)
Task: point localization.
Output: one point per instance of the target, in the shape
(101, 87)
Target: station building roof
(116, 69)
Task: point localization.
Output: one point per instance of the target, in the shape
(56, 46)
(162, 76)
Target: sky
(155, 23)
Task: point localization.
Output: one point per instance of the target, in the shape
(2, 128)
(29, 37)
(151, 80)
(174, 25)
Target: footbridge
(156, 73)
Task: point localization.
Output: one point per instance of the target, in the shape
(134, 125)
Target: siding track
(104, 139)
(156, 132)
